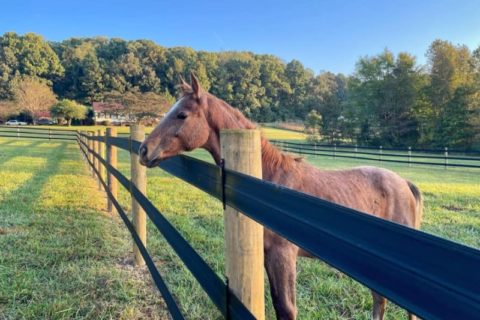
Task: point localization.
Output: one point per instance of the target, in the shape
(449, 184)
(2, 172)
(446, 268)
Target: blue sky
(323, 35)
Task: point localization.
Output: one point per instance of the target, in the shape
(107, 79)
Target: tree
(32, 96)
(27, 55)
(382, 97)
(68, 110)
(452, 92)
(141, 105)
(313, 124)
(328, 96)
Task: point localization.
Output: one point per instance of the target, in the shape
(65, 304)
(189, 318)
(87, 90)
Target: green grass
(452, 210)
(62, 256)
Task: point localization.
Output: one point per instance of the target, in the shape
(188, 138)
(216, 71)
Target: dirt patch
(5, 230)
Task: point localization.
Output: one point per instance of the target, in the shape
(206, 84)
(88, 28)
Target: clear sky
(323, 35)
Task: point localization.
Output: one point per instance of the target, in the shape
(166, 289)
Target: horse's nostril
(143, 151)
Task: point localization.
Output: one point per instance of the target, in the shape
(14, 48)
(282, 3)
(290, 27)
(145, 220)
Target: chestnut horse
(195, 121)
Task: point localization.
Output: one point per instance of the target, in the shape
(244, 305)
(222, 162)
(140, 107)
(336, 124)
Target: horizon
(308, 32)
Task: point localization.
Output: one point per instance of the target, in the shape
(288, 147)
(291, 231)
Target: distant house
(43, 114)
(115, 113)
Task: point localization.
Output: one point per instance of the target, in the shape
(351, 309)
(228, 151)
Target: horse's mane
(223, 116)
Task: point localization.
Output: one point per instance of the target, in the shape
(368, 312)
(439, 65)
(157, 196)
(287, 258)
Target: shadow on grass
(13, 152)
(16, 206)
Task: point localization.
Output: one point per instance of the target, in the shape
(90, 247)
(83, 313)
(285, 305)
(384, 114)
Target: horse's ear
(197, 89)
(183, 85)
(182, 80)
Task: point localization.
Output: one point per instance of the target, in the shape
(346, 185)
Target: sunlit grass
(280, 134)
(61, 255)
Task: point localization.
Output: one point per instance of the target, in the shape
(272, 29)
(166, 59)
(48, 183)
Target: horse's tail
(419, 204)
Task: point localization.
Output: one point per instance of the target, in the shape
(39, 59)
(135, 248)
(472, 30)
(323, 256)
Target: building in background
(111, 113)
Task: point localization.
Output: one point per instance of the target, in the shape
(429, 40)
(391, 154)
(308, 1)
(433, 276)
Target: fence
(37, 133)
(446, 159)
(432, 277)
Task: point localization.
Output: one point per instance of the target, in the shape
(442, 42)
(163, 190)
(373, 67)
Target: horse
(195, 121)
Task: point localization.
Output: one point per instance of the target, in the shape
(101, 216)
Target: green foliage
(27, 55)
(68, 110)
(313, 124)
(389, 100)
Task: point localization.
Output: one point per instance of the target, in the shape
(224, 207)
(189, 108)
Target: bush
(313, 138)
(106, 123)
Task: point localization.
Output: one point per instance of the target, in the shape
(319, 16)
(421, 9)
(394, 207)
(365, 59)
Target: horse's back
(372, 190)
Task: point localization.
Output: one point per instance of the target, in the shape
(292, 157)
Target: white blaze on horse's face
(184, 128)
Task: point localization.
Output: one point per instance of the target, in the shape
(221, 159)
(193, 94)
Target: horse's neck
(223, 116)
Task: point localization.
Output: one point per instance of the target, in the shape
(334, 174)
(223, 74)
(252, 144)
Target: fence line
(418, 271)
(346, 146)
(157, 278)
(215, 287)
(74, 131)
(380, 156)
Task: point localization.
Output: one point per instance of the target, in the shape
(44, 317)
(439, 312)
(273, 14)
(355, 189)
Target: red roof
(107, 106)
(43, 114)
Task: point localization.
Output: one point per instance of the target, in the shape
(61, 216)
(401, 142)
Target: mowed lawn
(61, 255)
(452, 210)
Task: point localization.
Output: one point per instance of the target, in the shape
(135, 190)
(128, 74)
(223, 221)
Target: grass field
(61, 255)
(84, 245)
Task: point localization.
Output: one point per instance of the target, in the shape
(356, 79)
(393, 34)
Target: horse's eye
(182, 115)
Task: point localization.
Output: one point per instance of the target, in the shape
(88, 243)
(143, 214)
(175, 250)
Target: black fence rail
(350, 146)
(445, 159)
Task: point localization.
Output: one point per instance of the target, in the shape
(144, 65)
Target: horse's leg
(280, 263)
(379, 304)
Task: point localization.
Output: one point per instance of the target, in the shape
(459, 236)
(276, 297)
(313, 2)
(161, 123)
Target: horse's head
(183, 128)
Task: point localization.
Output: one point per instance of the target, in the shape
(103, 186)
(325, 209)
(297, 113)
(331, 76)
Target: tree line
(389, 99)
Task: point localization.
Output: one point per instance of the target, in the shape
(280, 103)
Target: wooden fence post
(139, 179)
(90, 147)
(409, 156)
(95, 160)
(241, 152)
(446, 157)
(100, 167)
(111, 160)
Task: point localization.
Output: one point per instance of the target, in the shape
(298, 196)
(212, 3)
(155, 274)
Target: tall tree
(33, 96)
(382, 99)
(451, 92)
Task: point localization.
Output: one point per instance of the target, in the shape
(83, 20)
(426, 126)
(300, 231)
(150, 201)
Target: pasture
(60, 242)
(62, 256)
